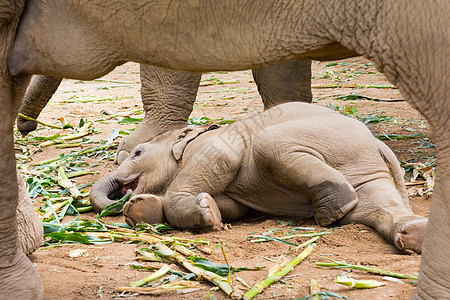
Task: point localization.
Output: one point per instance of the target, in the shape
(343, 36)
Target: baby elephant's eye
(137, 153)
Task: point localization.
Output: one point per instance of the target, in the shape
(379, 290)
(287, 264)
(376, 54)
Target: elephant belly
(267, 196)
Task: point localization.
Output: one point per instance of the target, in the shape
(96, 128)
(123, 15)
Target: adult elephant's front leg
(284, 82)
(168, 97)
(18, 277)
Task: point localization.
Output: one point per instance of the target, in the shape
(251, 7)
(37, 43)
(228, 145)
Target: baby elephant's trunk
(105, 191)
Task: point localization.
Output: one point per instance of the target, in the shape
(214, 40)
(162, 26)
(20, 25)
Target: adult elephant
(168, 97)
(408, 40)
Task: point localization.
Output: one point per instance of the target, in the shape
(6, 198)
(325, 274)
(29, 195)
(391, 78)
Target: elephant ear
(185, 137)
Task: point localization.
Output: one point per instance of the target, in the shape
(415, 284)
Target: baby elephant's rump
(294, 160)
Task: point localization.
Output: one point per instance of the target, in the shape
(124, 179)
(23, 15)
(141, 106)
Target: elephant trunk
(39, 92)
(104, 191)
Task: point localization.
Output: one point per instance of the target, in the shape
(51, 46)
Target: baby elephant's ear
(181, 141)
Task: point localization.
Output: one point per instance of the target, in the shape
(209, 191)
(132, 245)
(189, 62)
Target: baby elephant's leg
(230, 209)
(192, 211)
(381, 206)
(331, 194)
(146, 208)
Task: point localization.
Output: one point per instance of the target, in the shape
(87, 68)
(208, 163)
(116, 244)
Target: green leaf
(357, 96)
(323, 295)
(115, 208)
(199, 121)
(76, 237)
(386, 136)
(270, 238)
(221, 270)
(130, 121)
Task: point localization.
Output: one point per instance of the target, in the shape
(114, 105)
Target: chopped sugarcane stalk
(80, 173)
(159, 238)
(262, 238)
(161, 272)
(204, 249)
(50, 211)
(183, 250)
(340, 264)
(314, 289)
(220, 281)
(147, 256)
(171, 287)
(357, 284)
(277, 274)
(67, 184)
(308, 242)
(84, 209)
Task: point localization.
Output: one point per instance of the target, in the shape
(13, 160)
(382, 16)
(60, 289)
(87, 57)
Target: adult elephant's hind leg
(332, 195)
(381, 207)
(284, 82)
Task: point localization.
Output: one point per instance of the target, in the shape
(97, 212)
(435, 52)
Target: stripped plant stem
(357, 284)
(220, 281)
(39, 122)
(277, 274)
(67, 184)
(161, 272)
(340, 264)
(178, 287)
(314, 289)
(263, 238)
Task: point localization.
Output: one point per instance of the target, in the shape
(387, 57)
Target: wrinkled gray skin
(294, 160)
(408, 40)
(169, 95)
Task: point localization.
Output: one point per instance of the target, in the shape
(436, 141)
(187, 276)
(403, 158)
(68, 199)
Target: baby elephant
(295, 160)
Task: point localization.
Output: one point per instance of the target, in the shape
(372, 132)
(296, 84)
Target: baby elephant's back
(342, 142)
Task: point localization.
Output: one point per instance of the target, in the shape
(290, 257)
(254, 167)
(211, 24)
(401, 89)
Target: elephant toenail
(203, 203)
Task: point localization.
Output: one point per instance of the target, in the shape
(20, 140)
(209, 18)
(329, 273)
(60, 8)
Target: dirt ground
(106, 267)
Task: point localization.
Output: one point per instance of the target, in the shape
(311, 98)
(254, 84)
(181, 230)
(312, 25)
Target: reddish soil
(107, 266)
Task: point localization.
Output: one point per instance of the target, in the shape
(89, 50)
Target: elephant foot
(210, 217)
(332, 211)
(409, 239)
(21, 281)
(143, 208)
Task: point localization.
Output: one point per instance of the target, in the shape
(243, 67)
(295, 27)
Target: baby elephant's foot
(332, 211)
(143, 208)
(210, 217)
(410, 236)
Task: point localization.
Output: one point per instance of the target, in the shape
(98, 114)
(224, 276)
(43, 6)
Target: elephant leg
(284, 82)
(39, 92)
(188, 203)
(146, 208)
(381, 207)
(295, 167)
(434, 269)
(18, 278)
(168, 97)
(230, 210)
(30, 229)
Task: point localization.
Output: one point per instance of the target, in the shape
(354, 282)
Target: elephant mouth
(129, 186)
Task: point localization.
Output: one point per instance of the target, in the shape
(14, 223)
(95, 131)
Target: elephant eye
(137, 153)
